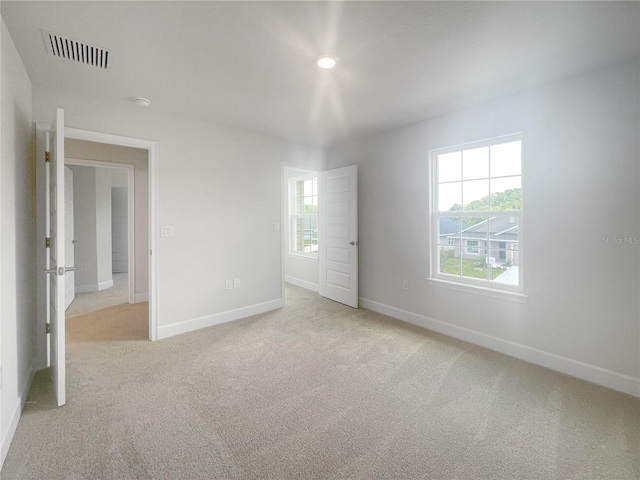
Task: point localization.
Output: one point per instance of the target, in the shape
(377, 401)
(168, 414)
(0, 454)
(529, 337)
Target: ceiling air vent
(80, 52)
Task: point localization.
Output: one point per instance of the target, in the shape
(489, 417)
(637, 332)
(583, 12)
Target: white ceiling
(251, 64)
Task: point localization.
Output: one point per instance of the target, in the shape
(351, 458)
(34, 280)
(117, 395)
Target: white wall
(580, 185)
(103, 228)
(298, 270)
(84, 207)
(220, 190)
(119, 221)
(92, 212)
(18, 248)
(79, 149)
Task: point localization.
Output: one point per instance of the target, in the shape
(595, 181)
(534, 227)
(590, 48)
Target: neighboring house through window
(476, 213)
(303, 211)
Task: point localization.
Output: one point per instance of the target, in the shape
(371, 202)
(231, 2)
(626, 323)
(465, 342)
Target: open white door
(55, 259)
(69, 241)
(338, 243)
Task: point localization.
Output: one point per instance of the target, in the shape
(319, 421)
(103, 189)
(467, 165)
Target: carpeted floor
(88, 302)
(313, 390)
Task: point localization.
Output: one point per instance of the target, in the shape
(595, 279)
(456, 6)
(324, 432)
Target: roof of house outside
(503, 229)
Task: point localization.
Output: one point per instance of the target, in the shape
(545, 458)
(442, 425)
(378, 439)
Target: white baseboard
(7, 435)
(105, 285)
(314, 287)
(165, 331)
(575, 368)
(141, 297)
(94, 287)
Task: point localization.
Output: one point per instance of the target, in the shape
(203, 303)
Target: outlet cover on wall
(405, 284)
(228, 284)
(166, 231)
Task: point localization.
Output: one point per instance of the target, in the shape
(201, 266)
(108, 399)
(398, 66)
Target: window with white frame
(476, 213)
(303, 215)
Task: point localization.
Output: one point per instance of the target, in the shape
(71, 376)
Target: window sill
(300, 256)
(477, 290)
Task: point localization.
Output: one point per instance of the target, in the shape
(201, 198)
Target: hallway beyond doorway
(93, 301)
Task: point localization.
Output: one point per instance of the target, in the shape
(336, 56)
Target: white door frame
(131, 260)
(109, 139)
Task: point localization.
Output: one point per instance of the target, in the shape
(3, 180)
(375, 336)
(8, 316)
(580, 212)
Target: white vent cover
(63, 47)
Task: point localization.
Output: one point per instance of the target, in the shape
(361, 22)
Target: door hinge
(48, 328)
(47, 158)
(47, 242)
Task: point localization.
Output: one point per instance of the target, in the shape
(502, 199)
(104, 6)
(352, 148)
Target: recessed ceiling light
(326, 61)
(143, 102)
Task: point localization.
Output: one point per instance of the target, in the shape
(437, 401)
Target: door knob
(353, 243)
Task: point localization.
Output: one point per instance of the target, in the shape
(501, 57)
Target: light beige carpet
(315, 390)
(91, 301)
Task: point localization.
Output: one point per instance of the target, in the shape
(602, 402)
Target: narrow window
(303, 215)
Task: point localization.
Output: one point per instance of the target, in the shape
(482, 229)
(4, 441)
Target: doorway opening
(299, 230)
(100, 235)
(110, 243)
(320, 232)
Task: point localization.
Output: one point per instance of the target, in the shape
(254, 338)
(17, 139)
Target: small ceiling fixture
(143, 102)
(326, 61)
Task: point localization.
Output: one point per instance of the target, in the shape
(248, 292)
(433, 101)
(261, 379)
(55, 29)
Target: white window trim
(466, 284)
(311, 256)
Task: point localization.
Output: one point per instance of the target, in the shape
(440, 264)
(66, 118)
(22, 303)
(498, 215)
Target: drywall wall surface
(139, 159)
(119, 177)
(581, 195)
(103, 228)
(219, 188)
(119, 229)
(84, 207)
(18, 248)
(299, 270)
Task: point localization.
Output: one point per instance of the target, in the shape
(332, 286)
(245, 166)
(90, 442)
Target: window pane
(308, 188)
(304, 210)
(297, 227)
(506, 159)
(503, 229)
(474, 227)
(474, 260)
(476, 195)
(298, 198)
(449, 260)
(309, 207)
(505, 269)
(505, 193)
(449, 231)
(475, 163)
(305, 235)
(449, 167)
(450, 197)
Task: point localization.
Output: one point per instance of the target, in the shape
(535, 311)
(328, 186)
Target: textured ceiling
(251, 64)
